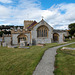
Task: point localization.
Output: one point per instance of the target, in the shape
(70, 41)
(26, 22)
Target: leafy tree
(1, 33)
(72, 28)
(5, 32)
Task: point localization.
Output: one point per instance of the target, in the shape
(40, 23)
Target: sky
(57, 13)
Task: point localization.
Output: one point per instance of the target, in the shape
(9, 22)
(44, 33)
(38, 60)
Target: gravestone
(72, 36)
(23, 43)
(4, 44)
(69, 38)
(67, 48)
(33, 42)
(9, 46)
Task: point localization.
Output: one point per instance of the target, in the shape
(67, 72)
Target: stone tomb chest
(4, 44)
(23, 43)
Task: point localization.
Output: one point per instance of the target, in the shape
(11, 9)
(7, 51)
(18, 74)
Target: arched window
(42, 31)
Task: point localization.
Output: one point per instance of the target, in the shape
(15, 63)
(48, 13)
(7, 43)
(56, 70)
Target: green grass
(21, 61)
(72, 46)
(65, 62)
(72, 40)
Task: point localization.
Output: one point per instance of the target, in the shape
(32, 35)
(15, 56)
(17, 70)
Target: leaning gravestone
(4, 44)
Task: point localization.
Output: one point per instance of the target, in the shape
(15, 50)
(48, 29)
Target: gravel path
(46, 65)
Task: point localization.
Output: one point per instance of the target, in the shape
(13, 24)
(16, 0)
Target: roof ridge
(32, 24)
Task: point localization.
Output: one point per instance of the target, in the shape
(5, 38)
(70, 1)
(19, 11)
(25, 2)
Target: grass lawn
(72, 46)
(65, 61)
(21, 61)
(72, 40)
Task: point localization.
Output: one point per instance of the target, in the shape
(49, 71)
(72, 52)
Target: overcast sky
(58, 13)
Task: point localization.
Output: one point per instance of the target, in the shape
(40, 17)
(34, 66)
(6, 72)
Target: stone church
(35, 33)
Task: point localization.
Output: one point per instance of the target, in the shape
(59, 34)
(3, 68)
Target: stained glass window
(42, 31)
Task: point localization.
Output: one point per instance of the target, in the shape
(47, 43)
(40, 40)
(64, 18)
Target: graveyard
(21, 61)
(37, 37)
(65, 61)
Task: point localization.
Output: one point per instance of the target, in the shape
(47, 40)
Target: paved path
(46, 65)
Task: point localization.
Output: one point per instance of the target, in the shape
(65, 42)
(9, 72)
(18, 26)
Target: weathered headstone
(22, 43)
(67, 48)
(4, 44)
(9, 46)
(72, 36)
(69, 38)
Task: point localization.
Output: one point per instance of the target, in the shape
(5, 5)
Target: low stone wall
(40, 44)
(0, 43)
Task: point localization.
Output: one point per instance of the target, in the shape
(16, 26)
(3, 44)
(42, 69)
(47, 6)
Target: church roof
(32, 25)
(59, 30)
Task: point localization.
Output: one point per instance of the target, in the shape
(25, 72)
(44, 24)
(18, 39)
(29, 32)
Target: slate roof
(59, 30)
(32, 25)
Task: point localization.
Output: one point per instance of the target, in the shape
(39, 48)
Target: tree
(72, 28)
(1, 33)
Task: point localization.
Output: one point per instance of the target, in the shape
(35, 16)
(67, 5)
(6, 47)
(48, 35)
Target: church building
(35, 33)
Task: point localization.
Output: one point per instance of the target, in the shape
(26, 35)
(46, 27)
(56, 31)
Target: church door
(55, 37)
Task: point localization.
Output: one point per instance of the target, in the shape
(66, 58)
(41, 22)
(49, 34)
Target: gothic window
(42, 31)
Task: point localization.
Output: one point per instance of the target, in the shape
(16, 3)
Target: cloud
(23, 11)
(62, 19)
(27, 4)
(5, 1)
(58, 16)
(4, 14)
